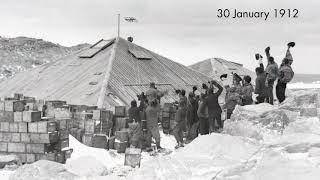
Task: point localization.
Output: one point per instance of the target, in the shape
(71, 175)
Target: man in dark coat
(202, 113)
(152, 112)
(285, 74)
(180, 119)
(260, 88)
(272, 72)
(192, 119)
(134, 112)
(214, 109)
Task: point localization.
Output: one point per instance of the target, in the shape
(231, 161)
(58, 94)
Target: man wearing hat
(153, 93)
(152, 113)
(285, 74)
(272, 74)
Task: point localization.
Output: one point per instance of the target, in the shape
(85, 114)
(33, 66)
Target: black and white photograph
(159, 90)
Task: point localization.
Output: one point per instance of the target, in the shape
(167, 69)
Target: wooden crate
(120, 123)
(122, 136)
(14, 106)
(120, 111)
(87, 139)
(100, 141)
(132, 157)
(120, 146)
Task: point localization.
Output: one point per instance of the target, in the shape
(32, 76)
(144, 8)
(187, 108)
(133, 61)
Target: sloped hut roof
(215, 67)
(109, 73)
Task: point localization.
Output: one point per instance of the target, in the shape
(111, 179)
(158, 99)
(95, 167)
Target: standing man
(153, 93)
(214, 109)
(180, 119)
(285, 74)
(152, 122)
(247, 90)
(202, 113)
(272, 74)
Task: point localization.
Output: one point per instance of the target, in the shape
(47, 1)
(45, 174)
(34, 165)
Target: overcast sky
(186, 31)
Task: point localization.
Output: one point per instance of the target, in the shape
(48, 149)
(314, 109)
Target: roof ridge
(106, 78)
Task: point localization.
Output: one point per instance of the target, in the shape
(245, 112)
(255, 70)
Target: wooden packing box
(120, 146)
(33, 127)
(120, 111)
(70, 123)
(62, 113)
(18, 96)
(47, 138)
(55, 104)
(100, 141)
(77, 133)
(122, 136)
(3, 147)
(51, 156)
(7, 116)
(14, 105)
(13, 127)
(87, 139)
(17, 116)
(31, 116)
(61, 144)
(31, 158)
(16, 147)
(103, 127)
(47, 126)
(132, 157)
(89, 126)
(60, 157)
(4, 126)
(29, 99)
(63, 134)
(62, 124)
(83, 115)
(31, 106)
(120, 123)
(102, 115)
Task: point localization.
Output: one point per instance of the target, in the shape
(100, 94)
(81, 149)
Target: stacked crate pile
(98, 130)
(121, 131)
(25, 133)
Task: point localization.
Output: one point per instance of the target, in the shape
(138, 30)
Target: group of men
(266, 77)
(201, 113)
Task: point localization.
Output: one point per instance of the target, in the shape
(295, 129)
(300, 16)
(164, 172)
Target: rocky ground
(21, 53)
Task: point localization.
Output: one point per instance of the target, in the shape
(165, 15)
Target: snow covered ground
(259, 142)
(301, 85)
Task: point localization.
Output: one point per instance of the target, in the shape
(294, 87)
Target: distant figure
(260, 88)
(246, 91)
(285, 74)
(192, 117)
(214, 109)
(272, 74)
(134, 112)
(191, 110)
(203, 115)
(232, 100)
(180, 119)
